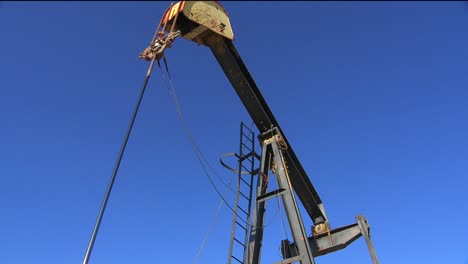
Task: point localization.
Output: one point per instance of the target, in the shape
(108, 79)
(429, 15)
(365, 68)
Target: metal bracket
(271, 135)
(229, 167)
(157, 48)
(327, 241)
(365, 231)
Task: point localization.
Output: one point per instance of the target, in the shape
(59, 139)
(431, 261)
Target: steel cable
(116, 166)
(197, 150)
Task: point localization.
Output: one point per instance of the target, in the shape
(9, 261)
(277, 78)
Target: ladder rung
(237, 259)
(270, 194)
(245, 196)
(247, 147)
(245, 182)
(247, 137)
(246, 127)
(241, 225)
(243, 210)
(242, 244)
(246, 157)
(257, 156)
(245, 168)
(255, 172)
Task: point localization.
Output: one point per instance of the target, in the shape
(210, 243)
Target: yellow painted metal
(207, 15)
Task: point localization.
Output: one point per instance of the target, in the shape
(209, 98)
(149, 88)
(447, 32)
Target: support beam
(290, 206)
(258, 218)
(242, 82)
(338, 239)
(273, 159)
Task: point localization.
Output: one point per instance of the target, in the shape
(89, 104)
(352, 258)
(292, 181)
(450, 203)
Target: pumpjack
(207, 23)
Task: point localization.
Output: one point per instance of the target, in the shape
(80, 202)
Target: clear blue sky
(372, 96)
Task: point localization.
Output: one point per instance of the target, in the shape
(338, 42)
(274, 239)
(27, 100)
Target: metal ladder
(243, 200)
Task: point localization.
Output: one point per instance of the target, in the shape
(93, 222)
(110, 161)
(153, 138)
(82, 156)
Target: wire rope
(197, 150)
(116, 166)
(210, 228)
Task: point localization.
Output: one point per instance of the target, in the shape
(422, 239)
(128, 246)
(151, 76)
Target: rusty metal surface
(156, 49)
(230, 61)
(337, 239)
(322, 244)
(206, 23)
(252, 99)
(211, 15)
(206, 15)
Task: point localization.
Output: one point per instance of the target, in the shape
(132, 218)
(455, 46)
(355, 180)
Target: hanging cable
(200, 250)
(181, 116)
(179, 111)
(195, 147)
(116, 167)
(284, 233)
(197, 150)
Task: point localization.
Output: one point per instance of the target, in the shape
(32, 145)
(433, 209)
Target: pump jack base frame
(323, 241)
(337, 239)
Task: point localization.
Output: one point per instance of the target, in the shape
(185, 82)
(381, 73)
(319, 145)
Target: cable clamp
(157, 48)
